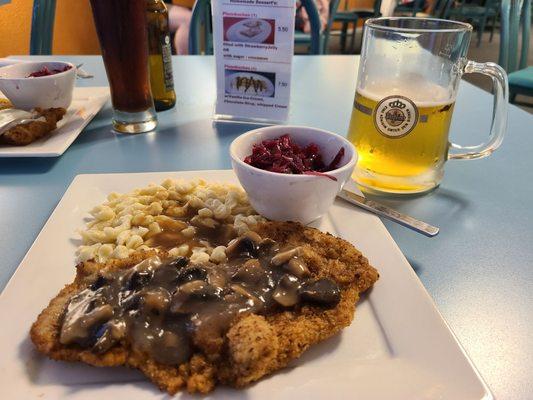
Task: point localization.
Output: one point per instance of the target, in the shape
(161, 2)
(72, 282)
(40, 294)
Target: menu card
(253, 45)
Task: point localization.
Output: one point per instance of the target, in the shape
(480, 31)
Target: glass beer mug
(408, 78)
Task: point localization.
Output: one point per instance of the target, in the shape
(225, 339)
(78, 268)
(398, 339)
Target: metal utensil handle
(389, 213)
(403, 219)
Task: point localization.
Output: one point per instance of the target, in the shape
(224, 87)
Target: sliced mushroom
(323, 292)
(285, 256)
(297, 267)
(255, 302)
(179, 262)
(98, 283)
(286, 292)
(187, 297)
(242, 246)
(171, 348)
(267, 243)
(217, 277)
(108, 335)
(192, 273)
(192, 287)
(207, 292)
(267, 248)
(250, 272)
(225, 233)
(131, 302)
(80, 328)
(156, 300)
(139, 279)
(203, 222)
(254, 236)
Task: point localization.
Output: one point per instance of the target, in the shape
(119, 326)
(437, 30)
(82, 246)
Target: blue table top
(479, 269)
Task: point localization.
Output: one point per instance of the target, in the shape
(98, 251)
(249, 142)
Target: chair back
(333, 8)
(413, 8)
(42, 27)
(441, 8)
(316, 26)
(201, 28)
(515, 21)
(492, 5)
(377, 8)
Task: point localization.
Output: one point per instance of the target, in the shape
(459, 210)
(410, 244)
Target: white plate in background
(398, 346)
(86, 102)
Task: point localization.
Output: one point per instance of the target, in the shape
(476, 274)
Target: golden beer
(160, 55)
(407, 82)
(402, 142)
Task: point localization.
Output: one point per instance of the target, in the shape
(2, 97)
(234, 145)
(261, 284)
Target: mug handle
(499, 113)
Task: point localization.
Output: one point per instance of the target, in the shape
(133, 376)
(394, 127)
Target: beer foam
(421, 92)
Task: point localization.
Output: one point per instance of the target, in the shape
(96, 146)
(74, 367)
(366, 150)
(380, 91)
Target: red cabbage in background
(44, 71)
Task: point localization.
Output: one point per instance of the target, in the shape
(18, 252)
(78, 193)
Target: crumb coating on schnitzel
(255, 345)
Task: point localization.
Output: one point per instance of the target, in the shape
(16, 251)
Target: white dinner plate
(234, 33)
(398, 346)
(231, 85)
(86, 102)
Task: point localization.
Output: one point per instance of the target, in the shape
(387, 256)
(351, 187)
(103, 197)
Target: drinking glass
(408, 79)
(122, 32)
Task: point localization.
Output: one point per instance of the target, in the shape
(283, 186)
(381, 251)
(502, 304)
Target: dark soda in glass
(121, 28)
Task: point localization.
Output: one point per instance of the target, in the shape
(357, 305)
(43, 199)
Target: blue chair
(42, 27)
(201, 27)
(333, 8)
(201, 31)
(411, 9)
(352, 17)
(441, 8)
(478, 15)
(316, 41)
(516, 17)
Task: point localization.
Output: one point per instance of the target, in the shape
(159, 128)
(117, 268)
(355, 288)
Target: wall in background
(15, 27)
(74, 31)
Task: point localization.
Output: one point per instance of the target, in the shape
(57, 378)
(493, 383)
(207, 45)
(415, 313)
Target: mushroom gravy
(207, 232)
(159, 307)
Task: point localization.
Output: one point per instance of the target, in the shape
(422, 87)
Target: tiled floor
(487, 51)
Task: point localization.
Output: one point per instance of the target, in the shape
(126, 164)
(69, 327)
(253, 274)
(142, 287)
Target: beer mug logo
(395, 116)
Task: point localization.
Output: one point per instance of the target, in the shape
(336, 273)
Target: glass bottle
(160, 55)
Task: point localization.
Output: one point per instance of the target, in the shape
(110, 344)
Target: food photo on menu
(255, 199)
(262, 84)
(249, 30)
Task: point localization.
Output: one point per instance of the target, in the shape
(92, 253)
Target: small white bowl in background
(291, 197)
(51, 91)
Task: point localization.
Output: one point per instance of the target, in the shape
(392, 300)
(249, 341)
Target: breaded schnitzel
(23, 134)
(327, 273)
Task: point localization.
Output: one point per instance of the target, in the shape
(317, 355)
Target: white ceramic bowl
(286, 197)
(44, 92)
